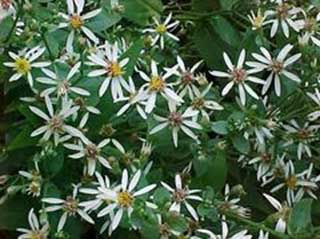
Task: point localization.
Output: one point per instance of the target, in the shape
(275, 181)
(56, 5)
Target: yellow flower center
(76, 21)
(161, 28)
(291, 182)
(35, 235)
(125, 199)
(71, 205)
(198, 103)
(258, 20)
(115, 69)
(156, 84)
(22, 66)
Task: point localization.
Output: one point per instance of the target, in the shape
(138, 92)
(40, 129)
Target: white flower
(284, 15)
(264, 161)
(34, 176)
(62, 87)
(91, 152)
(36, 231)
(283, 212)
(123, 196)
(292, 182)
(24, 62)
(112, 69)
(6, 9)
(238, 76)
(310, 26)
(201, 105)
(308, 189)
(77, 20)
(69, 206)
(257, 20)
(177, 120)
(316, 98)
(180, 196)
(55, 122)
(277, 66)
(187, 79)
(239, 235)
(162, 30)
(134, 99)
(304, 135)
(156, 84)
(263, 235)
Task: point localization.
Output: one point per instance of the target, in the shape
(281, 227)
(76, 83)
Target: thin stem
(20, 10)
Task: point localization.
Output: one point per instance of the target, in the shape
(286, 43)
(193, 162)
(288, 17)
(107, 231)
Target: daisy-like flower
(180, 196)
(264, 161)
(156, 84)
(257, 20)
(284, 15)
(62, 87)
(292, 181)
(162, 30)
(77, 20)
(231, 204)
(187, 79)
(316, 98)
(239, 235)
(304, 135)
(91, 152)
(133, 99)
(112, 69)
(55, 122)
(176, 121)
(201, 105)
(34, 187)
(277, 66)
(283, 212)
(263, 235)
(238, 76)
(311, 27)
(6, 9)
(69, 206)
(123, 196)
(24, 62)
(36, 229)
(309, 190)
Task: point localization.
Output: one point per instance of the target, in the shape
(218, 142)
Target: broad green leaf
(226, 31)
(23, 139)
(241, 144)
(228, 4)
(140, 11)
(5, 28)
(133, 53)
(204, 5)
(300, 218)
(220, 127)
(104, 20)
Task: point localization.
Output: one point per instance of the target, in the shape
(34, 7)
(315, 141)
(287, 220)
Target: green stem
(20, 10)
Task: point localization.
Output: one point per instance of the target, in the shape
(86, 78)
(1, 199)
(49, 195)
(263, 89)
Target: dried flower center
(277, 66)
(125, 199)
(114, 69)
(239, 75)
(34, 187)
(179, 195)
(198, 103)
(266, 158)
(303, 134)
(165, 230)
(55, 123)
(70, 205)
(5, 4)
(175, 119)
(63, 87)
(291, 182)
(310, 25)
(22, 66)
(161, 28)
(283, 11)
(76, 21)
(91, 151)
(187, 78)
(156, 84)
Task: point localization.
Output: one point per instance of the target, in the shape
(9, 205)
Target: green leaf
(177, 222)
(23, 139)
(220, 127)
(133, 53)
(53, 162)
(5, 27)
(161, 196)
(140, 11)
(204, 5)
(104, 20)
(241, 144)
(300, 218)
(14, 212)
(226, 31)
(227, 4)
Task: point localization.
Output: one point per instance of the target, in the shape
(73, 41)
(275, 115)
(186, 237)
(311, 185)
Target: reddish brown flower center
(239, 75)
(175, 119)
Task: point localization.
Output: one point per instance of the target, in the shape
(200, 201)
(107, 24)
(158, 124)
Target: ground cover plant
(160, 119)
